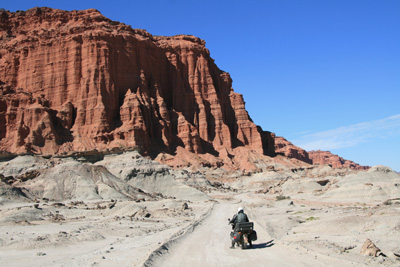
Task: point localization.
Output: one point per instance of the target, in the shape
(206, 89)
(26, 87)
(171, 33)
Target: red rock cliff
(286, 148)
(327, 158)
(76, 81)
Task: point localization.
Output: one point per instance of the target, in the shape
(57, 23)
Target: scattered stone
(40, 238)
(41, 254)
(29, 175)
(112, 204)
(62, 233)
(23, 222)
(75, 203)
(58, 218)
(7, 179)
(185, 206)
(347, 248)
(99, 207)
(323, 182)
(369, 249)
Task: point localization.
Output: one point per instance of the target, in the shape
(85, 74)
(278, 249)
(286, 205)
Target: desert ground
(127, 210)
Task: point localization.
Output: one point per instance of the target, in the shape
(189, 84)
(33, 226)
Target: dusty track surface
(208, 245)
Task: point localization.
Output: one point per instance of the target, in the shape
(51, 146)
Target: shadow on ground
(264, 245)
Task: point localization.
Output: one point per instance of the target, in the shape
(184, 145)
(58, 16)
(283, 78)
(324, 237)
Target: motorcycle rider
(238, 218)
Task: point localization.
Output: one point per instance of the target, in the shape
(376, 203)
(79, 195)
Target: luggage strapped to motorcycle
(244, 227)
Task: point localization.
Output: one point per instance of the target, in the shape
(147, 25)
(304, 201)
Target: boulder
(369, 249)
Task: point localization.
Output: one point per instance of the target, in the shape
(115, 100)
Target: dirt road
(208, 245)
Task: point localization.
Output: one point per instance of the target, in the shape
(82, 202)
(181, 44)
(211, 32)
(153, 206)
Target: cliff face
(28, 121)
(327, 158)
(286, 148)
(77, 81)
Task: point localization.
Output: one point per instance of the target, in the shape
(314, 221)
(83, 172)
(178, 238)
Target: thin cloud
(352, 135)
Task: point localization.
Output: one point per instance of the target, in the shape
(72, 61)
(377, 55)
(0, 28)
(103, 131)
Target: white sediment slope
(149, 176)
(80, 181)
(378, 184)
(67, 179)
(125, 176)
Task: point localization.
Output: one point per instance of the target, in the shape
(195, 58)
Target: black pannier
(244, 227)
(253, 236)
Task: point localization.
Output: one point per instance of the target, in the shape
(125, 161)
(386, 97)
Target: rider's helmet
(240, 210)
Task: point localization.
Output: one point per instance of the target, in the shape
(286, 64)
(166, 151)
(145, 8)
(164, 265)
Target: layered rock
(28, 124)
(327, 158)
(77, 81)
(80, 81)
(286, 148)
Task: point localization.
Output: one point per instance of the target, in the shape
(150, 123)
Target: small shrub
(282, 197)
(312, 218)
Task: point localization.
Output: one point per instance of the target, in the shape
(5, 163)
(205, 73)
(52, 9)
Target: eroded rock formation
(77, 81)
(327, 158)
(286, 148)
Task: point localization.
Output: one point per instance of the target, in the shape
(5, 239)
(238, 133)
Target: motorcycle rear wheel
(245, 241)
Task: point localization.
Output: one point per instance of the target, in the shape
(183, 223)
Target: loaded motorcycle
(243, 234)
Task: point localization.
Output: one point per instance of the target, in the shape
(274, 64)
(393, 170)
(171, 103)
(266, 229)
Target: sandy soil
(162, 233)
(130, 211)
(289, 234)
(209, 243)
(331, 233)
(91, 233)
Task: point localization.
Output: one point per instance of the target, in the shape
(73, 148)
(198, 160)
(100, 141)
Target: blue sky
(325, 74)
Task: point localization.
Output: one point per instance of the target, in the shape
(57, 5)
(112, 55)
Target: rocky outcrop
(286, 148)
(370, 249)
(327, 158)
(77, 81)
(28, 124)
